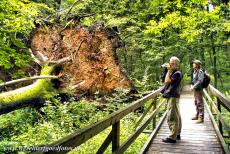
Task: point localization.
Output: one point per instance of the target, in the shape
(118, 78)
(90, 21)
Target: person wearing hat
(171, 92)
(198, 76)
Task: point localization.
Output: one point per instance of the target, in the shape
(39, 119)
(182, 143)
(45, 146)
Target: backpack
(206, 80)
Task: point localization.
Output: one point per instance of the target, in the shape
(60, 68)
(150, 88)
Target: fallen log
(29, 95)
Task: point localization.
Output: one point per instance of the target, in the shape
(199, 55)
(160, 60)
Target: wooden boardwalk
(195, 138)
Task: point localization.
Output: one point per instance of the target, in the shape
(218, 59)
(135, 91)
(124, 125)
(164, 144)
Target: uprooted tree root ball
(74, 59)
(94, 63)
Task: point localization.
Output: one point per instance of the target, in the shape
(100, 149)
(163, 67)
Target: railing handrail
(217, 112)
(224, 100)
(216, 105)
(82, 135)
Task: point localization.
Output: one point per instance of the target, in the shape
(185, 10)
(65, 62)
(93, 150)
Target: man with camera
(171, 92)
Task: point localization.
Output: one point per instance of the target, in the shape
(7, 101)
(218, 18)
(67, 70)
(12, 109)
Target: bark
(214, 61)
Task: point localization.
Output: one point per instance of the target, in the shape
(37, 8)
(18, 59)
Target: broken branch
(27, 79)
(35, 59)
(71, 8)
(61, 61)
(38, 57)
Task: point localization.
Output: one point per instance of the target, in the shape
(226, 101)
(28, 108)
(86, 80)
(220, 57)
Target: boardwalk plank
(187, 144)
(195, 138)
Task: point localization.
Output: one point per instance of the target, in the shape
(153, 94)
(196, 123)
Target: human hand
(191, 87)
(170, 70)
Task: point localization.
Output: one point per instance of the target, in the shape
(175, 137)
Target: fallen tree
(82, 59)
(28, 95)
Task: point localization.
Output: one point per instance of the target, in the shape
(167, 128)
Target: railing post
(115, 136)
(211, 96)
(154, 118)
(219, 108)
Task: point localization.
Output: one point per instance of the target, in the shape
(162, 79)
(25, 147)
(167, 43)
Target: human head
(174, 62)
(196, 64)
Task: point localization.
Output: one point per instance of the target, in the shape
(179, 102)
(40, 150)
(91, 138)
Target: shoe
(195, 118)
(168, 140)
(178, 137)
(200, 120)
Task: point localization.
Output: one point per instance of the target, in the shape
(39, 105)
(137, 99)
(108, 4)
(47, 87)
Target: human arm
(172, 76)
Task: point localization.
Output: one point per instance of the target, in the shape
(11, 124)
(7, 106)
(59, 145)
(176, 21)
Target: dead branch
(27, 79)
(77, 85)
(61, 61)
(71, 8)
(38, 57)
(35, 59)
(83, 15)
(73, 55)
(41, 57)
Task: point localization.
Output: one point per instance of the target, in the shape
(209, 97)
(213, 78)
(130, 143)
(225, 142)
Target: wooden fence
(215, 101)
(79, 137)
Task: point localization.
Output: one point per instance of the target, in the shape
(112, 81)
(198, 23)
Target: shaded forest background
(152, 32)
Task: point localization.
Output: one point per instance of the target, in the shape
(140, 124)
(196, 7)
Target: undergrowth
(31, 127)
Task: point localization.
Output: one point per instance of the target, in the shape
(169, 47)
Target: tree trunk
(202, 52)
(228, 44)
(29, 95)
(214, 61)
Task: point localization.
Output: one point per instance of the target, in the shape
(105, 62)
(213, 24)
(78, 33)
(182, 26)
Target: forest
(81, 60)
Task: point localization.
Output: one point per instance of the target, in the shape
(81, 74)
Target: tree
(195, 30)
(83, 61)
(17, 20)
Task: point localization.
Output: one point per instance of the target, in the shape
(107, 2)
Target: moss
(40, 89)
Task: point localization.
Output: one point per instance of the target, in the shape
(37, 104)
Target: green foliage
(120, 96)
(145, 86)
(29, 127)
(152, 31)
(188, 30)
(17, 20)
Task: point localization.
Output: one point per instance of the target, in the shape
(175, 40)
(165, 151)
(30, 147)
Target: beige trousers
(174, 117)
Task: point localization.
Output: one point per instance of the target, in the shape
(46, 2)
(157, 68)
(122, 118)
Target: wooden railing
(214, 101)
(79, 137)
